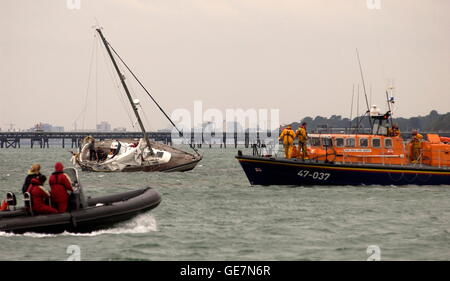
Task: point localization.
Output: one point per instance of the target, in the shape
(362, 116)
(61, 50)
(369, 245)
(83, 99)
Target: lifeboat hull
(271, 171)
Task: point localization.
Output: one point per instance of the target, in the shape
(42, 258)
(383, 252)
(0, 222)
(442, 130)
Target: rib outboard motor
(11, 200)
(27, 203)
(77, 200)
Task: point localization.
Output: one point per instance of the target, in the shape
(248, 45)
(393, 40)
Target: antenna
(389, 100)
(351, 108)
(357, 112)
(364, 86)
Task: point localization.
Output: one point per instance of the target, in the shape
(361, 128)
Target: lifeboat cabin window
(363, 142)
(326, 142)
(339, 142)
(388, 143)
(315, 142)
(376, 143)
(350, 142)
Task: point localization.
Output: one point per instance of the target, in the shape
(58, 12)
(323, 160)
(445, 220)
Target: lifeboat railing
(429, 158)
(265, 149)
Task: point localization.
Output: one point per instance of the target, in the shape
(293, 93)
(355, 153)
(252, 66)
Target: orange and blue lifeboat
(355, 159)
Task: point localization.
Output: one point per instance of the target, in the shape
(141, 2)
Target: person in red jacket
(4, 206)
(60, 184)
(38, 196)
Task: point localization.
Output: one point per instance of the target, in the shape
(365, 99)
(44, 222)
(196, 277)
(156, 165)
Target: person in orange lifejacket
(416, 143)
(302, 135)
(38, 197)
(60, 184)
(288, 136)
(394, 131)
(294, 151)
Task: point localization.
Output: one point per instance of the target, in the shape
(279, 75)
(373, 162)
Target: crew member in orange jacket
(293, 151)
(287, 135)
(395, 130)
(416, 144)
(302, 135)
(60, 185)
(38, 197)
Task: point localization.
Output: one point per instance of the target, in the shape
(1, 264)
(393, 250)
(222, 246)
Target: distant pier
(42, 139)
(197, 139)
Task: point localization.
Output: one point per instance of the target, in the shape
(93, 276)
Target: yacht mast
(122, 79)
(364, 87)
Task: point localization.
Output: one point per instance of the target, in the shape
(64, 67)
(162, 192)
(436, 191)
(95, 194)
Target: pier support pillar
(225, 139)
(45, 142)
(247, 139)
(11, 143)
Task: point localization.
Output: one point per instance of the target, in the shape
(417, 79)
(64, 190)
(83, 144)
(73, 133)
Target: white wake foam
(143, 223)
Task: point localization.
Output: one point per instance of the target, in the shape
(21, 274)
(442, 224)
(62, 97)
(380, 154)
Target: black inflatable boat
(85, 215)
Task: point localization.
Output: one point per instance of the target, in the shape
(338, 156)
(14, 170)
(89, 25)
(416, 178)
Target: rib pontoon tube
(101, 212)
(86, 215)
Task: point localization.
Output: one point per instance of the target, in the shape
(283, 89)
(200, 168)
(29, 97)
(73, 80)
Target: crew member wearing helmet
(288, 136)
(113, 149)
(416, 143)
(302, 135)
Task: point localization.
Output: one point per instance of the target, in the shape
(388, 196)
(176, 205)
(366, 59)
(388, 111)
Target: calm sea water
(212, 213)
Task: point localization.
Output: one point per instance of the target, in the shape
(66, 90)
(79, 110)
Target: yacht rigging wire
(83, 110)
(116, 83)
(156, 103)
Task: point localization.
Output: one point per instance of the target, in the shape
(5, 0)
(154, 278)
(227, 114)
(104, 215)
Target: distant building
(120, 129)
(104, 126)
(57, 129)
(45, 127)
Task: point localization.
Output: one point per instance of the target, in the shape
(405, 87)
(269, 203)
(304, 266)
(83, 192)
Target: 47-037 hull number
(314, 175)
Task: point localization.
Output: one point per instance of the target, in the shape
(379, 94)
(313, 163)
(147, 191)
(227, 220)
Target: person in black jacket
(34, 172)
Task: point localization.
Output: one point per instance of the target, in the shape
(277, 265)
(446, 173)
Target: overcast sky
(295, 55)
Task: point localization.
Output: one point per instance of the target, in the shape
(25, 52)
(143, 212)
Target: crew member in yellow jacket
(394, 131)
(302, 135)
(288, 136)
(416, 144)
